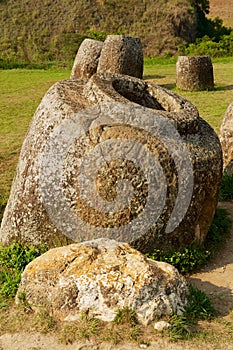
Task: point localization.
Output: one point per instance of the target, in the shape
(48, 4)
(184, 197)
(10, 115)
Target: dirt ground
(216, 280)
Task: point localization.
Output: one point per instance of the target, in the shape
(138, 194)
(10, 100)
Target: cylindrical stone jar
(194, 73)
(121, 55)
(86, 60)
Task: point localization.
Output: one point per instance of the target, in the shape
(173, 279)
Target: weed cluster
(191, 258)
(199, 307)
(13, 260)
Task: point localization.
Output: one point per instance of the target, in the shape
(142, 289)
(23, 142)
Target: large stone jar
(158, 188)
(194, 73)
(87, 59)
(122, 55)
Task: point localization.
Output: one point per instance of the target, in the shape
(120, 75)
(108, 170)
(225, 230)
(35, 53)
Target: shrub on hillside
(206, 46)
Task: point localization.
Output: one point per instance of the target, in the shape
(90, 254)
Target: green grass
(13, 260)
(212, 105)
(21, 93)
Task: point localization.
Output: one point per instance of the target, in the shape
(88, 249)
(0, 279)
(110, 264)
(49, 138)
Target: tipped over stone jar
(167, 160)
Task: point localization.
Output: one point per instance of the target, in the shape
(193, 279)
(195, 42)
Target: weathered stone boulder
(115, 157)
(194, 73)
(121, 55)
(87, 59)
(99, 277)
(226, 137)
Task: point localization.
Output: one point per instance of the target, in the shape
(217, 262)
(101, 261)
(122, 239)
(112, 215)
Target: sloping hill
(52, 29)
(222, 9)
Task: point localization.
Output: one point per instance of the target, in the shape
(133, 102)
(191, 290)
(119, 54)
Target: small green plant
(186, 260)
(88, 326)
(44, 321)
(180, 328)
(191, 258)
(13, 260)
(125, 325)
(85, 327)
(23, 301)
(199, 307)
(126, 315)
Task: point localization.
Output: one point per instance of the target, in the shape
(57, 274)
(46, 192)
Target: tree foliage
(201, 5)
(213, 28)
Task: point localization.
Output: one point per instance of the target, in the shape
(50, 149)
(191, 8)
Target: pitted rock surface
(28, 220)
(226, 139)
(87, 59)
(99, 277)
(121, 55)
(194, 73)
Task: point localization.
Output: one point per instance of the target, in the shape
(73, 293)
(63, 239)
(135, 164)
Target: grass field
(22, 90)
(212, 105)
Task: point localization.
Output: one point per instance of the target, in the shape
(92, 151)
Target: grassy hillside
(43, 30)
(222, 9)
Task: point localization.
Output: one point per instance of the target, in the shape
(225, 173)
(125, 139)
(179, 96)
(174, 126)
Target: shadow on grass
(169, 86)
(153, 76)
(224, 88)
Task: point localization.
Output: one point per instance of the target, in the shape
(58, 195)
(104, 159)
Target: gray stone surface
(43, 210)
(99, 277)
(121, 55)
(87, 59)
(194, 73)
(226, 139)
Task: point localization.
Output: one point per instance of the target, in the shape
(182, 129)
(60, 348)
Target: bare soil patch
(216, 279)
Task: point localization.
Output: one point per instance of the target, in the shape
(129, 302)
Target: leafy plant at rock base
(85, 327)
(125, 325)
(43, 321)
(199, 307)
(191, 258)
(13, 260)
(180, 328)
(186, 260)
(126, 315)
